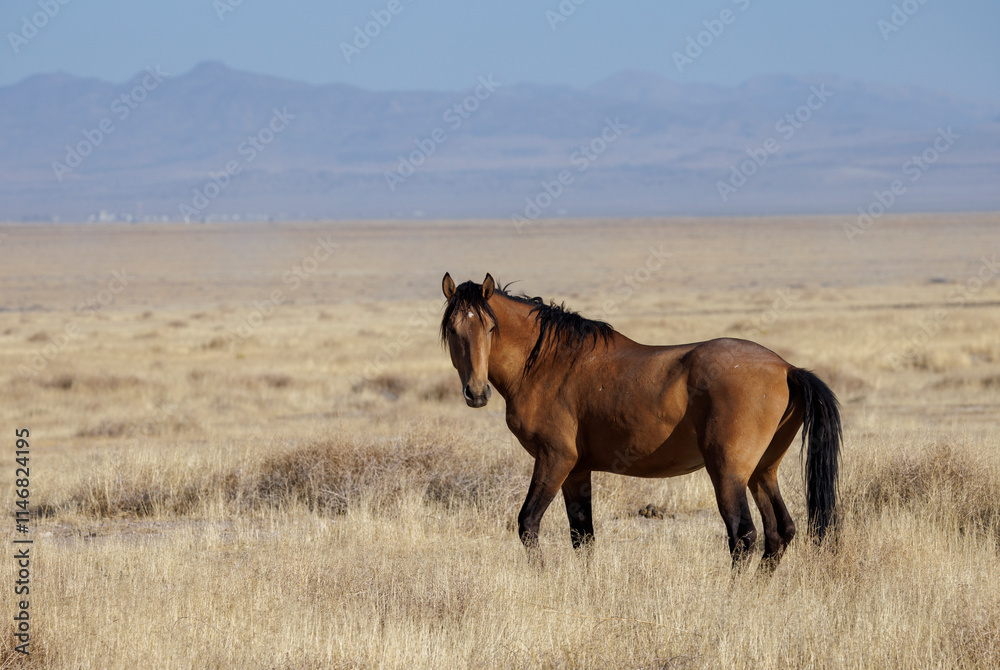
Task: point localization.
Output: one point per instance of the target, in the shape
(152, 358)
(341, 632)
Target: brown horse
(582, 397)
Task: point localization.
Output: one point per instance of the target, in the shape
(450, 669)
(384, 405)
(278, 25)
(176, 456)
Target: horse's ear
(488, 286)
(448, 286)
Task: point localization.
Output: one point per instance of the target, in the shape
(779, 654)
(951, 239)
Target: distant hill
(298, 150)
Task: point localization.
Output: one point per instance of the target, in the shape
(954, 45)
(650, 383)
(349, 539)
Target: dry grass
(317, 495)
(953, 487)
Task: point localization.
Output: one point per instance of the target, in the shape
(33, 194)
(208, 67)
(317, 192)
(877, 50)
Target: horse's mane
(468, 296)
(557, 325)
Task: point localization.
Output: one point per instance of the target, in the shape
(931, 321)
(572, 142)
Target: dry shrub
(110, 383)
(132, 485)
(843, 383)
(329, 477)
(217, 342)
(956, 382)
(390, 386)
(92, 383)
(126, 499)
(40, 336)
(154, 426)
(106, 428)
(942, 481)
(935, 360)
(445, 389)
(11, 658)
(254, 382)
(63, 382)
(272, 380)
(137, 494)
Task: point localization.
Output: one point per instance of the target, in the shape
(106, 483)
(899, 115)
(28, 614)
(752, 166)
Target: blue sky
(951, 47)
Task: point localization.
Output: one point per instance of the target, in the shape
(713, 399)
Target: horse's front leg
(577, 494)
(548, 476)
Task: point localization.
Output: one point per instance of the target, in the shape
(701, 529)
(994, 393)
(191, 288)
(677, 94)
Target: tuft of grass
(944, 482)
(37, 658)
(153, 426)
(263, 380)
(327, 477)
(63, 382)
(389, 385)
(90, 383)
(444, 389)
(217, 342)
(276, 381)
(332, 476)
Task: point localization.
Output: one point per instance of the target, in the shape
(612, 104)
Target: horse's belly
(671, 456)
(670, 459)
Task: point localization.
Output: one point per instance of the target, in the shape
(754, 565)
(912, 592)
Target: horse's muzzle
(477, 399)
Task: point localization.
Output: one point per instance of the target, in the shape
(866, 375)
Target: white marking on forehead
(471, 314)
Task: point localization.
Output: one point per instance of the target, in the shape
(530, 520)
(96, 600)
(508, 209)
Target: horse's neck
(518, 333)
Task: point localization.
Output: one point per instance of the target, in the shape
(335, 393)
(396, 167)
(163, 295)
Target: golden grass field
(244, 458)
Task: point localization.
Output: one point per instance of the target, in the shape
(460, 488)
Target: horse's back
(718, 359)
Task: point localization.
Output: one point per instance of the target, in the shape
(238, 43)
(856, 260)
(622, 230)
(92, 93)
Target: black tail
(821, 437)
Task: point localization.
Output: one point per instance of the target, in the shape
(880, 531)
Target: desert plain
(249, 448)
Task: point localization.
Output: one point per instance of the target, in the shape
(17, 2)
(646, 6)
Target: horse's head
(468, 328)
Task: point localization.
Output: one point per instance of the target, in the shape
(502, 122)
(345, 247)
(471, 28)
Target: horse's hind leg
(779, 529)
(731, 496)
(576, 493)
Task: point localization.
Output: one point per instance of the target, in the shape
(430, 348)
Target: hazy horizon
(444, 44)
(715, 108)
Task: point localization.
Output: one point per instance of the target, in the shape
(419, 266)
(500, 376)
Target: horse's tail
(821, 438)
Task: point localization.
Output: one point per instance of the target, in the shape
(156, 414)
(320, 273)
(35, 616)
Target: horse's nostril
(476, 399)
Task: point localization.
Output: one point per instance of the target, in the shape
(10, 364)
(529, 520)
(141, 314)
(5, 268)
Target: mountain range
(216, 143)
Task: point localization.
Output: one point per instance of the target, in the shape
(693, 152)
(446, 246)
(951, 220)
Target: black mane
(557, 326)
(468, 296)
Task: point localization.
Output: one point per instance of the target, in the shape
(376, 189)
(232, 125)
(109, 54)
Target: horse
(582, 397)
